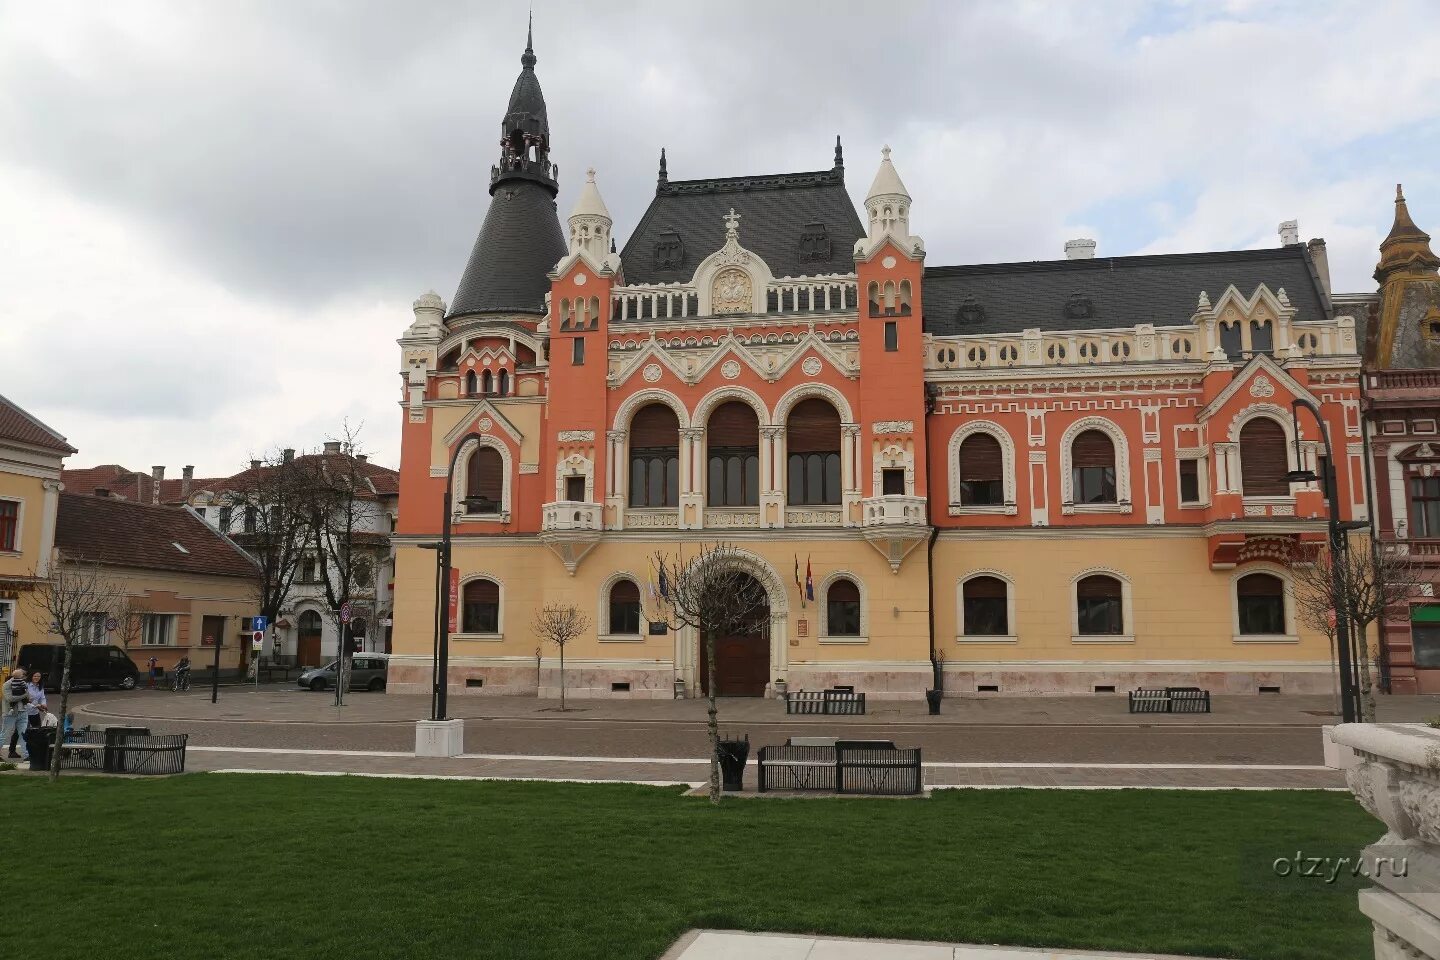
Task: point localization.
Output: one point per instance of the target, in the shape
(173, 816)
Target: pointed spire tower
(1407, 334)
(887, 207)
(1407, 247)
(590, 221)
(521, 238)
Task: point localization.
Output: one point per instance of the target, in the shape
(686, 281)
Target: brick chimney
(364, 457)
(187, 477)
(1082, 249)
(254, 464)
(157, 474)
(332, 446)
(289, 454)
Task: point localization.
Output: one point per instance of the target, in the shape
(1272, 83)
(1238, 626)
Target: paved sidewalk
(301, 706)
(727, 945)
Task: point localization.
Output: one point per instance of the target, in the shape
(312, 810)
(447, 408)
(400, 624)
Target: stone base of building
(887, 682)
(961, 679)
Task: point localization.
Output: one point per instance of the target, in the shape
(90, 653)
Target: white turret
(888, 208)
(590, 222)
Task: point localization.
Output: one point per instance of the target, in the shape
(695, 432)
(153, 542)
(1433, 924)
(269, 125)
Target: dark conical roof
(521, 240)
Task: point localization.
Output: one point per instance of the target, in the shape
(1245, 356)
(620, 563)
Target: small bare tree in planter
(560, 623)
(70, 596)
(714, 594)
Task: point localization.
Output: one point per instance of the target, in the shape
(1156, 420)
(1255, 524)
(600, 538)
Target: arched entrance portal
(308, 649)
(742, 660)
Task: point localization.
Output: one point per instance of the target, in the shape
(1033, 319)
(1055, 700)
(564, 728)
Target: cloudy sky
(215, 216)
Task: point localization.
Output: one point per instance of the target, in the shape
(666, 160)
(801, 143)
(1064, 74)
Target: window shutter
(843, 590)
(733, 425)
(482, 591)
(1263, 463)
(625, 591)
(978, 588)
(1260, 585)
(655, 426)
(486, 475)
(813, 427)
(981, 458)
(1093, 448)
(1099, 586)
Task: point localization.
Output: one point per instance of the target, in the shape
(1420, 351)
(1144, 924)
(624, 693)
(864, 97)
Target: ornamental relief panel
(731, 292)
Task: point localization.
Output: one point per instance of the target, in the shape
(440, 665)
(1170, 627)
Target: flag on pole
(664, 584)
(809, 580)
(798, 585)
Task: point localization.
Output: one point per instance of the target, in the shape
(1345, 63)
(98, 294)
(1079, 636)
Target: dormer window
(1079, 307)
(971, 311)
(814, 243)
(669, 250)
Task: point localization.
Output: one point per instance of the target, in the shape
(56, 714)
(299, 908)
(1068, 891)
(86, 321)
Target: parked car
(367, 672)
(90, 666)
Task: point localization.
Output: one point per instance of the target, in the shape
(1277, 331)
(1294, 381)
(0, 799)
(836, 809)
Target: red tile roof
(123, 533)
(20, 427)
(133, 485)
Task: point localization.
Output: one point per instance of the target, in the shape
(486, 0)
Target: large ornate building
(1058, 476)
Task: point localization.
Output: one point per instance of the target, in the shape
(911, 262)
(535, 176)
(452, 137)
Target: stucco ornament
(1262, 387)
(731, 292)
(730, 370)
(651, 373)
(811, 366)
(485, 424)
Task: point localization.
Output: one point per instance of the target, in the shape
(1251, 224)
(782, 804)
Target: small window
(985, 607)
(1424, 507)
(480, 607)
(1092, 467)
(485, 481)
(577, 352)
(1189, 481)
(575, 489)
(625, 608)
(1260, 598)
(1263, 461)
(225, 513)
(9, 525)
(892, 482)
(842, 609)
(982, 469)
(1099, 606)
(502, 383)
(250, 516)
(157, 629)
(307, 570)
(892, 337)
(470, 384)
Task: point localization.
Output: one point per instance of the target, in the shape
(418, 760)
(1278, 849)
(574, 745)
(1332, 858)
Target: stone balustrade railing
(572, 515)
(892, 511)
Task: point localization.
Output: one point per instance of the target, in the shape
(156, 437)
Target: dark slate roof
(519, 244)
(1122, 291)
(18, 426)
(775, 211)
(122, 533)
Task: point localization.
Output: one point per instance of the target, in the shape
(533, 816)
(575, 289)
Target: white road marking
(442, 776)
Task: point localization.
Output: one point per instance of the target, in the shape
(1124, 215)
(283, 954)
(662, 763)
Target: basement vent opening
(620, 687)
(1269, 689)
(472, 683)
(1104, 688)
(988, 688)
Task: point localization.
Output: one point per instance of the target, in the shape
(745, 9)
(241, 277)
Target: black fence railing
(828, 702)
(868, 767)
(1169, 700)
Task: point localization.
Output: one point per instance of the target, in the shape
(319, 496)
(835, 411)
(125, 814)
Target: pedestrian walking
(38, 705)
(15, 712)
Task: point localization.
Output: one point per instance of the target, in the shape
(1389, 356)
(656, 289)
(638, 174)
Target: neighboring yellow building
(31, 456)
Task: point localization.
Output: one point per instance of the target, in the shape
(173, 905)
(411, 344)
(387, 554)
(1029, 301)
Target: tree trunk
(713, 724)
(64, 706)
(1367, 687)
(562, 678)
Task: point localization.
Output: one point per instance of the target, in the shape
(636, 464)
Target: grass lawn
(241, 866)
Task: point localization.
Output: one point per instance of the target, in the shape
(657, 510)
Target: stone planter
(1394, 772)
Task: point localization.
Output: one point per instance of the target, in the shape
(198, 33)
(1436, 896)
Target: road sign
(345, 612)
(257, 640)
(259, 624)
(110, 624)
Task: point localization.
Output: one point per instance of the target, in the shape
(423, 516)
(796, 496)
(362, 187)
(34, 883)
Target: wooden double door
(742, 660)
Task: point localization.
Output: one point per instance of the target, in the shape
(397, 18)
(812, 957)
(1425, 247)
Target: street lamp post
(1349, 694)
(441, 664)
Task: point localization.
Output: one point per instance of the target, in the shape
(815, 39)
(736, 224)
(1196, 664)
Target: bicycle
(180, 681)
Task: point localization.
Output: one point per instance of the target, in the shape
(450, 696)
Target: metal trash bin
(114, 760)
(39, 741)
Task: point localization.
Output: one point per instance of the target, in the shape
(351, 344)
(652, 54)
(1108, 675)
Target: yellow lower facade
(1181, 625)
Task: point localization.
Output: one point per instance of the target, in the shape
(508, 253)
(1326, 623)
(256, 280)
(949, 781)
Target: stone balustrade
(572, 515)
(893, 511)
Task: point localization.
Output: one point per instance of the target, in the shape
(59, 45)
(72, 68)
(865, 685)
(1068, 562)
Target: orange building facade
(1053, 477)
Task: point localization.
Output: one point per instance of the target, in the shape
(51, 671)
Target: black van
(90, 666)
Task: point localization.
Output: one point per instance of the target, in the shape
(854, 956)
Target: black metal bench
(865, 767)
(833, 702)
(1169, 700)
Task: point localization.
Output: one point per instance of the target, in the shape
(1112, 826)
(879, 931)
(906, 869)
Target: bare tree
(272, 502)
(1369, 581)
(714, 594)
(560, 623)
(70, 597)
(130, 620)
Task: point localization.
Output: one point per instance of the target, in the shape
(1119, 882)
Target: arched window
(624, 608)
(842, 609)
(361, 573)
(985, 607)
(307, 569)
(655, 457)
(470, 384)
(503, 383)
(480, 607)
(812, 441)
(1263, 463)
(1092, 468)
(1260, 604)
(484, 481)
(487, 383)
(1230, 340)
(1262, 337)
(982, 471)
(1099, 606)
(309, 623)
(732, 437)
